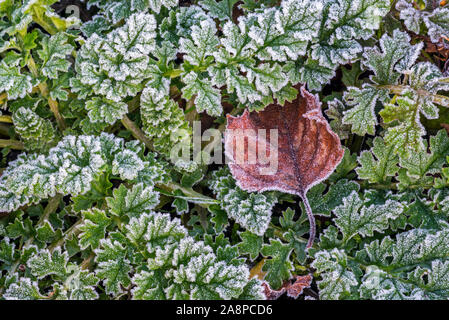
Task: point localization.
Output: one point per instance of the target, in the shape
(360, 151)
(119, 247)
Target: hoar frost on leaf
(178, 266)
(69, 168)
(251, 210)
(434, 17)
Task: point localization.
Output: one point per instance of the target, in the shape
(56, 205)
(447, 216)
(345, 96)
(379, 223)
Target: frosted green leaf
(251, 244)
(278, 268)
(278, 37)
(81, 159)
(379, 163)
(115, 66)
(411, 16)
(355, 19)
(235, 82)
(155, 230)
(93, 228)
(37, 132)
(406, 137)
(203, 43)
(179, 22)
(103, 110)
(434, 17)
(45, 263)
(53, 54)
(24, 289)
(113, 266)
(98, 24)
(346, 21)
(207, 97)
(334, 112)
(14, 19)
(115, 9)
(361, 116)
(235, 40)
(125, 50)
(158, 86)
(437, 23)
(13, 82)
(148, 286)
(337, 281)
(267, 78)
(420, 166)
(47, 233)
(433, 281)
(132, 202)
(127, 164)
(323, 204)
(156, 5)
(354, 217)
(340, 52)
(251, 210)
(426, 79)
(207, 278)
(299, 19)
(7, 251)
(69, 168)
(253, 291)
(162, 119)
(310, 72)
(82, 286)
(397, 54)
(220, 9)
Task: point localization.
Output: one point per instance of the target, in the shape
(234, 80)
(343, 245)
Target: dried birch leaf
(306, 151)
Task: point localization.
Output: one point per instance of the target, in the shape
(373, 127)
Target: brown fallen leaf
(271, 294)
(307, 151)
(295, 289)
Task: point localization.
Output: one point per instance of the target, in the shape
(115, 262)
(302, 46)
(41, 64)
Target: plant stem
(13, 144)
(172, 186)
(45, 93)
(72, 230)
(3, 97)
(51, 207)
(312, 229)
(6, 119)
(399, 89)
(137, 132)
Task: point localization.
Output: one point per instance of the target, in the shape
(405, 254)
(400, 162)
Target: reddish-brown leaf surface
(294, 290)
(308, 150)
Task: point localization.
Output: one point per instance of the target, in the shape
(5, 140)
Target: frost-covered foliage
(429, 13)
(91, 112)
(251, 210)
(415, 85)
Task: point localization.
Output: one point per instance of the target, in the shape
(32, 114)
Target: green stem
(72, 230)
(170, 186)
(13, 144)
(5, 119)
(54, 107)
(52, 206)
(399, 89)
(3, 97)
(137, 132)
(189, 192)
